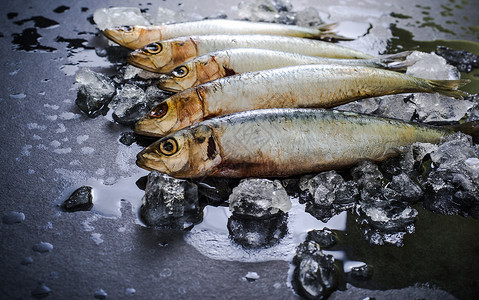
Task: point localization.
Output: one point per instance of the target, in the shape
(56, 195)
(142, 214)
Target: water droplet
(13, 218)
(100, 294)
(96, 237)
(53, 275)
(166, 272)
(41, 291)
(252, 276)
(18, 96)
(130, 291)
(42, 247)
(27, 261)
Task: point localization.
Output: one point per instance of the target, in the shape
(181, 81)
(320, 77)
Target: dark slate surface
(44, 156)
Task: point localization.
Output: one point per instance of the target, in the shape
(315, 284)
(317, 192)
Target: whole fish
(134, 37)
(164, 56)
(297, 86)
(225, 63)
(284, 142)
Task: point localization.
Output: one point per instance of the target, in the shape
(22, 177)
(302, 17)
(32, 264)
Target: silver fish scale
(320, 138)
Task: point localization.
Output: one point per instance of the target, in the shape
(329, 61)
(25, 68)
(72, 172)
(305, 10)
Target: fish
(135, 37)
(164, 56)
(285, 142)
(305, 86)
(229, 62)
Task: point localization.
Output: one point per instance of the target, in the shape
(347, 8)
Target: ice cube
(259, 198)
(315, 276)
(95, 91)
(129, 104)
(119, 16)
(430, 66)
(169, 202)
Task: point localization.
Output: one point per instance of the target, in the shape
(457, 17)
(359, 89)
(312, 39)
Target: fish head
(181, 78)
(153, 57)
(163, 56)
(177, 112)
(188, 153)
(132, 37)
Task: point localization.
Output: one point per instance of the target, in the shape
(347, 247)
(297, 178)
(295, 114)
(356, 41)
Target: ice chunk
(405, 189)
(363, 272)
(452, 186)
(129, 104)
(439, 108)
(364, 106)
(384, 218)
(327, 194)
(258, 232)
(259, 198)
(308, 17)
(430, 66)
(315, 276)
(80, 199)
(368, 177)
(278, 11)
(396, 106)
(463, 60)
(473, 114)
(262, 10)
(119, 16)
(155, 96)
(169, 202)
(324, 237)
(166, 16)
(95, 91)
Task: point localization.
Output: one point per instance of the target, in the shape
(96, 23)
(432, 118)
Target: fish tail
(470, 128)
(326, 33)
(396, 62)
(329, 27)
(448, 87)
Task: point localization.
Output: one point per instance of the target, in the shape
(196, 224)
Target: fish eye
(153, 48)
(180, 71)
(159, 111)
(168, 147)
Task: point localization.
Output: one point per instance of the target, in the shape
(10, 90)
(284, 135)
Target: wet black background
(37, 40)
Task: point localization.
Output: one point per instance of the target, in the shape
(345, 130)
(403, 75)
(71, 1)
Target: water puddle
(29, 41)
(39, 22)
(211, 236)
(108, 194)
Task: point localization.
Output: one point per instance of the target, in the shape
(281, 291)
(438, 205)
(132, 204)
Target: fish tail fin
(326, 33)
(397, 61)
(448, 87)
(471, 128)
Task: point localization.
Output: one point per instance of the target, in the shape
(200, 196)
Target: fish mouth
(142, 128)
(166, 83)
(141, 162)
(141, 61)
(113, 35)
